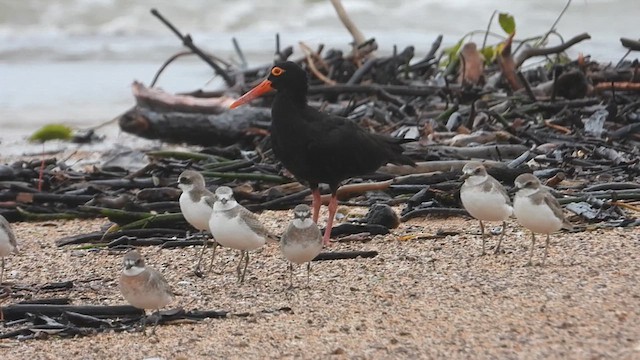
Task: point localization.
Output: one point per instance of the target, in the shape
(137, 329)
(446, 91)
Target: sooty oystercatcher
(319, 147)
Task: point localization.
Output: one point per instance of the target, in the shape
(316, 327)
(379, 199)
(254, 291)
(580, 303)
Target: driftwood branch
(340, 255)
(630, 44)
(198, 129)
(159, 100)
(531, 52)
(188, 42)
(19, 311)
(358, 37)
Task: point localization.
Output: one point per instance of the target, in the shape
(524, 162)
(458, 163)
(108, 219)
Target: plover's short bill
(537, 210)
(8, 243)
(485, 199)
(144, 287)
(302, 241)
(235, 227)
(196, 204)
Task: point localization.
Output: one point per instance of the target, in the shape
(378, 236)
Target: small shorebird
(302, 241)
(233, 226)
(8, 243)
(196, 204)
(484, 198)
(144, 287)
(537, 210)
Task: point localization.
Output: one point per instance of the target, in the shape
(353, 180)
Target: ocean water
(72, 61)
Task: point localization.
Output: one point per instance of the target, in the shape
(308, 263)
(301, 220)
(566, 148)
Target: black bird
(319, 147)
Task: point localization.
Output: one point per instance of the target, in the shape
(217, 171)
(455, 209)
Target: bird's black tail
(395, 151)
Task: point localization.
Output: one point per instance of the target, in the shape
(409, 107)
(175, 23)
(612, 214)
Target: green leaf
(51, 132)
(507, 23)
(452, 52)
(489, 54)
(455, 49)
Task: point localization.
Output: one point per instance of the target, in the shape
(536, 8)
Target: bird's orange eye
(277, 71)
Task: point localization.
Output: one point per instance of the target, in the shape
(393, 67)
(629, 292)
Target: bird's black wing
(339, 146)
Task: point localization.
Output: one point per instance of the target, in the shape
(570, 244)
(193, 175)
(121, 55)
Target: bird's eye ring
(277, 71)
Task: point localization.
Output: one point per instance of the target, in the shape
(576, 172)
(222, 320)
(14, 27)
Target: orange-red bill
(257, 91)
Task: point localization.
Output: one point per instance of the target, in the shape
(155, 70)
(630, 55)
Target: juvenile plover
(233, 226)
(537, 210)
(144, 287)
(8, 243)
(484, 198)
(196, 204)
(302, 241)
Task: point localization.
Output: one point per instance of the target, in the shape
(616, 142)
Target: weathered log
(531, 52)
(158, 100)
(170, 244)
(29, 197)
(198, 129)
(433, 211)
(342, 255)
(18, 311)
(32, 216)
(50, 301)
(422, 90)
(432, 166)
(127, 241)
(101, 235)
(350, 229)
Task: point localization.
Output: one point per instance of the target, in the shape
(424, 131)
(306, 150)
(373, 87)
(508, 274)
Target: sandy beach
(420, 298)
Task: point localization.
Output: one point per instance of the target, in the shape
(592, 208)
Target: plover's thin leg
(504, 229)
(239, 265)
(153, 330)
(204, 247)
(144, 323)
(213, 255)
(483, 238)
(546, 250)
(246, 263)
(2, 271)
(533, 244)
(308, 273)
(290, 275)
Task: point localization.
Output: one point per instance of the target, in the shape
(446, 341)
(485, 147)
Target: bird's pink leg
(315, 204)
(333, 206)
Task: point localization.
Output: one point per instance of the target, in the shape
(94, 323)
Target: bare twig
(308, 53)
(358, 37)
(528, 53)
(166, 63)
(243, 60)
(188, 42)
(553, 27)
(486, 34)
